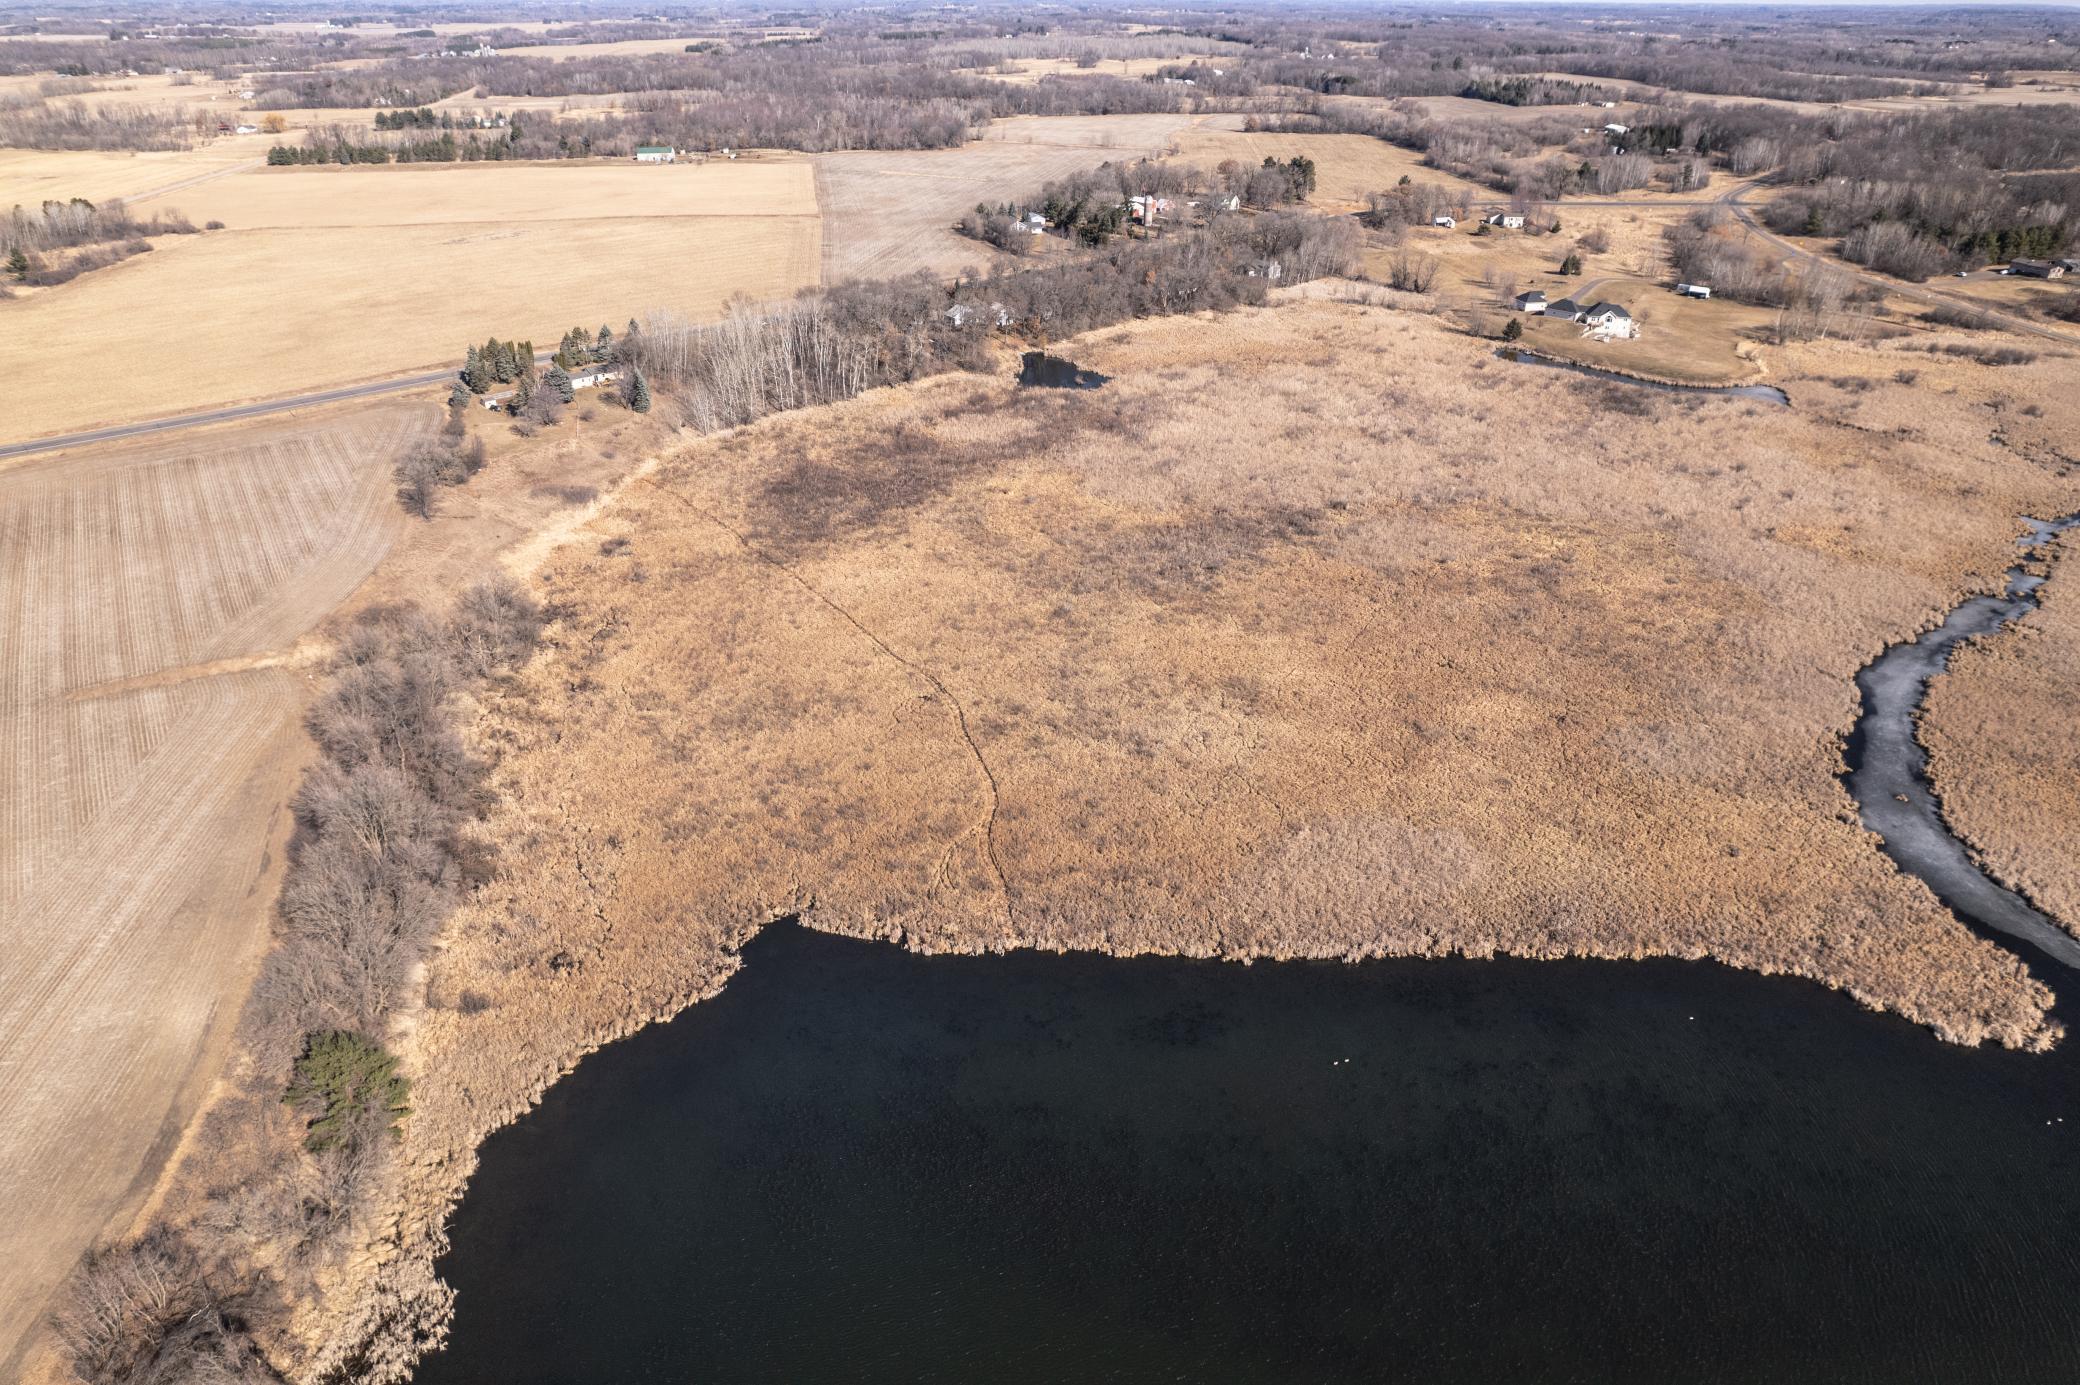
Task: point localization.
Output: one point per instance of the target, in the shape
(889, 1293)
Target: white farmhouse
(1608, 322)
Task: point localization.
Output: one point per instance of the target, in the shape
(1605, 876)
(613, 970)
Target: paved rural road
(265, 406)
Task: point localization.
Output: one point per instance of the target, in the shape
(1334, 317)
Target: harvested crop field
(379, 289)
(1316, 632)
(1998, 727)
(148, 598)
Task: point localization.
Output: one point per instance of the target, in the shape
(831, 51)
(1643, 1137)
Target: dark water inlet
(1052, 372)
(1769, 394)
(1888, 770)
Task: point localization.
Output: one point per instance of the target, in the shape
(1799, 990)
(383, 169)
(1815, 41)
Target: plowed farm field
(150, 600)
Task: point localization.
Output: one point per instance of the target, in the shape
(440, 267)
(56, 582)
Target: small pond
(1052, 372)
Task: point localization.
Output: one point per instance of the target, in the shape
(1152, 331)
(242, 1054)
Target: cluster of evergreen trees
(578, 349)
(496, 363)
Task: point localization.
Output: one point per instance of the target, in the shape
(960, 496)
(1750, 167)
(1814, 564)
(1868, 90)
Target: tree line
(832, 344)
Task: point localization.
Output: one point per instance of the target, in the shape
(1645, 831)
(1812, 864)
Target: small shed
(1694, 290)
(1448, 222)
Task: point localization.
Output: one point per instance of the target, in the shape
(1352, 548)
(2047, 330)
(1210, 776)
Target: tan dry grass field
(338, 294)
(29, 177)
(464, 194)
(148, 744)
(1032, 70)
(1348, 168)
(1999, 729)
(890, 212)
(1120, 136)
(620, 48)
(1317, 632)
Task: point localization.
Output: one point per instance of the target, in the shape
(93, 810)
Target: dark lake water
(858, 1164)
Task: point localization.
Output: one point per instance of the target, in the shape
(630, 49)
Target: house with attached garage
(1608, 322)
(1508, 221)
(2037, 269)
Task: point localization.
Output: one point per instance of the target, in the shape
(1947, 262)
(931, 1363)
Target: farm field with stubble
(150, 601)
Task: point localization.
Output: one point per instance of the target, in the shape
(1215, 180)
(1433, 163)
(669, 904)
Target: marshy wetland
(1336, 1163)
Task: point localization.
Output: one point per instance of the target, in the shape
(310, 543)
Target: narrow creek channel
(1888, 769)
(1768, 394)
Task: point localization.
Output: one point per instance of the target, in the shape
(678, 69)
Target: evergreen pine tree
(475, 374)
(638, 392)
(603, 349)
(1514, 330)
(18, 263)
(458, 396)
(523, 393)
(558, 382)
